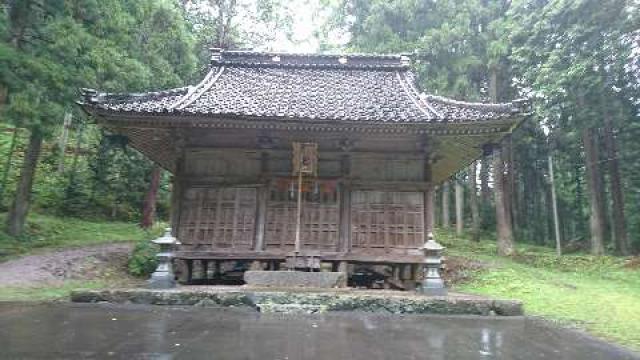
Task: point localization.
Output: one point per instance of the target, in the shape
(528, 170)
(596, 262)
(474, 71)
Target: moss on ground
(597, 294)
(49, 292)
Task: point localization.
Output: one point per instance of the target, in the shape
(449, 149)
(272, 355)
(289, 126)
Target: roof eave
(182, 119)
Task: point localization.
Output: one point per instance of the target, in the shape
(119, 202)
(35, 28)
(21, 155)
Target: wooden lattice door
(222, 218)
(386, 220)
(319, 220)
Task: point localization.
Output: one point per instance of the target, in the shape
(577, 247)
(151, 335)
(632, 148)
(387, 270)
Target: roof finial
(216, 54)
(89, 95)
(405, 60)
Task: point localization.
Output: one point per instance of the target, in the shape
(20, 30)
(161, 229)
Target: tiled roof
(370, 88)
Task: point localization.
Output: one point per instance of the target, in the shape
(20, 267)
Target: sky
(308, 16)
(305, 19)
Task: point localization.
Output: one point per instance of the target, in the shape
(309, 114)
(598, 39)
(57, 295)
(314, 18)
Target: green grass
(43, 231)
(597, 294)
(48, 292)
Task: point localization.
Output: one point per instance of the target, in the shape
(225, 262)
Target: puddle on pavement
(69, 331)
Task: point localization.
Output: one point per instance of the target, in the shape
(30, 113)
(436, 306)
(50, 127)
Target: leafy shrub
(143, 259)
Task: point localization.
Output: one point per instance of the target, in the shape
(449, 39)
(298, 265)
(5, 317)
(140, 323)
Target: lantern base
(162, 280)
(432, 287)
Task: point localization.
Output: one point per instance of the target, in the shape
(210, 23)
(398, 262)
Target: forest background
(578, 61)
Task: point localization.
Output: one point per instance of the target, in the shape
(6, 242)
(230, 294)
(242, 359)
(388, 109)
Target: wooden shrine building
(374, 144)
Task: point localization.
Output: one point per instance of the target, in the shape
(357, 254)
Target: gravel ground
(54, 267)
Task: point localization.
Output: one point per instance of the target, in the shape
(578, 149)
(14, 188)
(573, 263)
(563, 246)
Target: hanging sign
(305, 159)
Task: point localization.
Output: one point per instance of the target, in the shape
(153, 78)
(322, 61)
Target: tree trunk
(63, 141)
(149, 207)
(493, 84)
(76, 155)
(554, 206)
(7, 165)
(459, 207)
(20, 206)
(619, 223)
(594, 187)
(445, 205)
(504, 231)
(509, 182)
(484, 179)
(473, 203)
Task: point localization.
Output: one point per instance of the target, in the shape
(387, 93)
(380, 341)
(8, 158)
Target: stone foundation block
(283, 279)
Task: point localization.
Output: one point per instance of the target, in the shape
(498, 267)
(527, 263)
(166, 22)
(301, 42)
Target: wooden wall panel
(222, 218)
(386, 219)
(320, 218)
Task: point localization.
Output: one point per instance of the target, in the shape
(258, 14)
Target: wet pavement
(72, 331)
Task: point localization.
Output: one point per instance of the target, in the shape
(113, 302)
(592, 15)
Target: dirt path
(105, 261)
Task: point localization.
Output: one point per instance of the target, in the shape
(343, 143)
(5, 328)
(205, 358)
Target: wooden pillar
(345, 218)
(177, 188)
(343, 266)
(428, 211)
(459, 207)
(262, 199)
(416, 269)
(189, 271)
(261, 214)
(344, 229)
(217, 269)
(205, 269)
(175, 203)
(428, 206)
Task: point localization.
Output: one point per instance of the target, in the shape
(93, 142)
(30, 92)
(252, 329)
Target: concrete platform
(295, 279)
(306, 300)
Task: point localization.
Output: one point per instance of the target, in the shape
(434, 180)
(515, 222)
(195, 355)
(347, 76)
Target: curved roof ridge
(196, 91)
(93, 96)
(245, 58)
(413, 93)
(264, 64)
(519, 105)
(397, 56)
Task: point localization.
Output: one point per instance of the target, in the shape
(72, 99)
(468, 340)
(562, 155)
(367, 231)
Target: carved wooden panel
(280, 164)
(376, 168)
(221, 218)
(386, 219)
(223, 162)
(320, 212)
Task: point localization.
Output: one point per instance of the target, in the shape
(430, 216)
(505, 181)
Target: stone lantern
(432, 284)
(163, 277)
